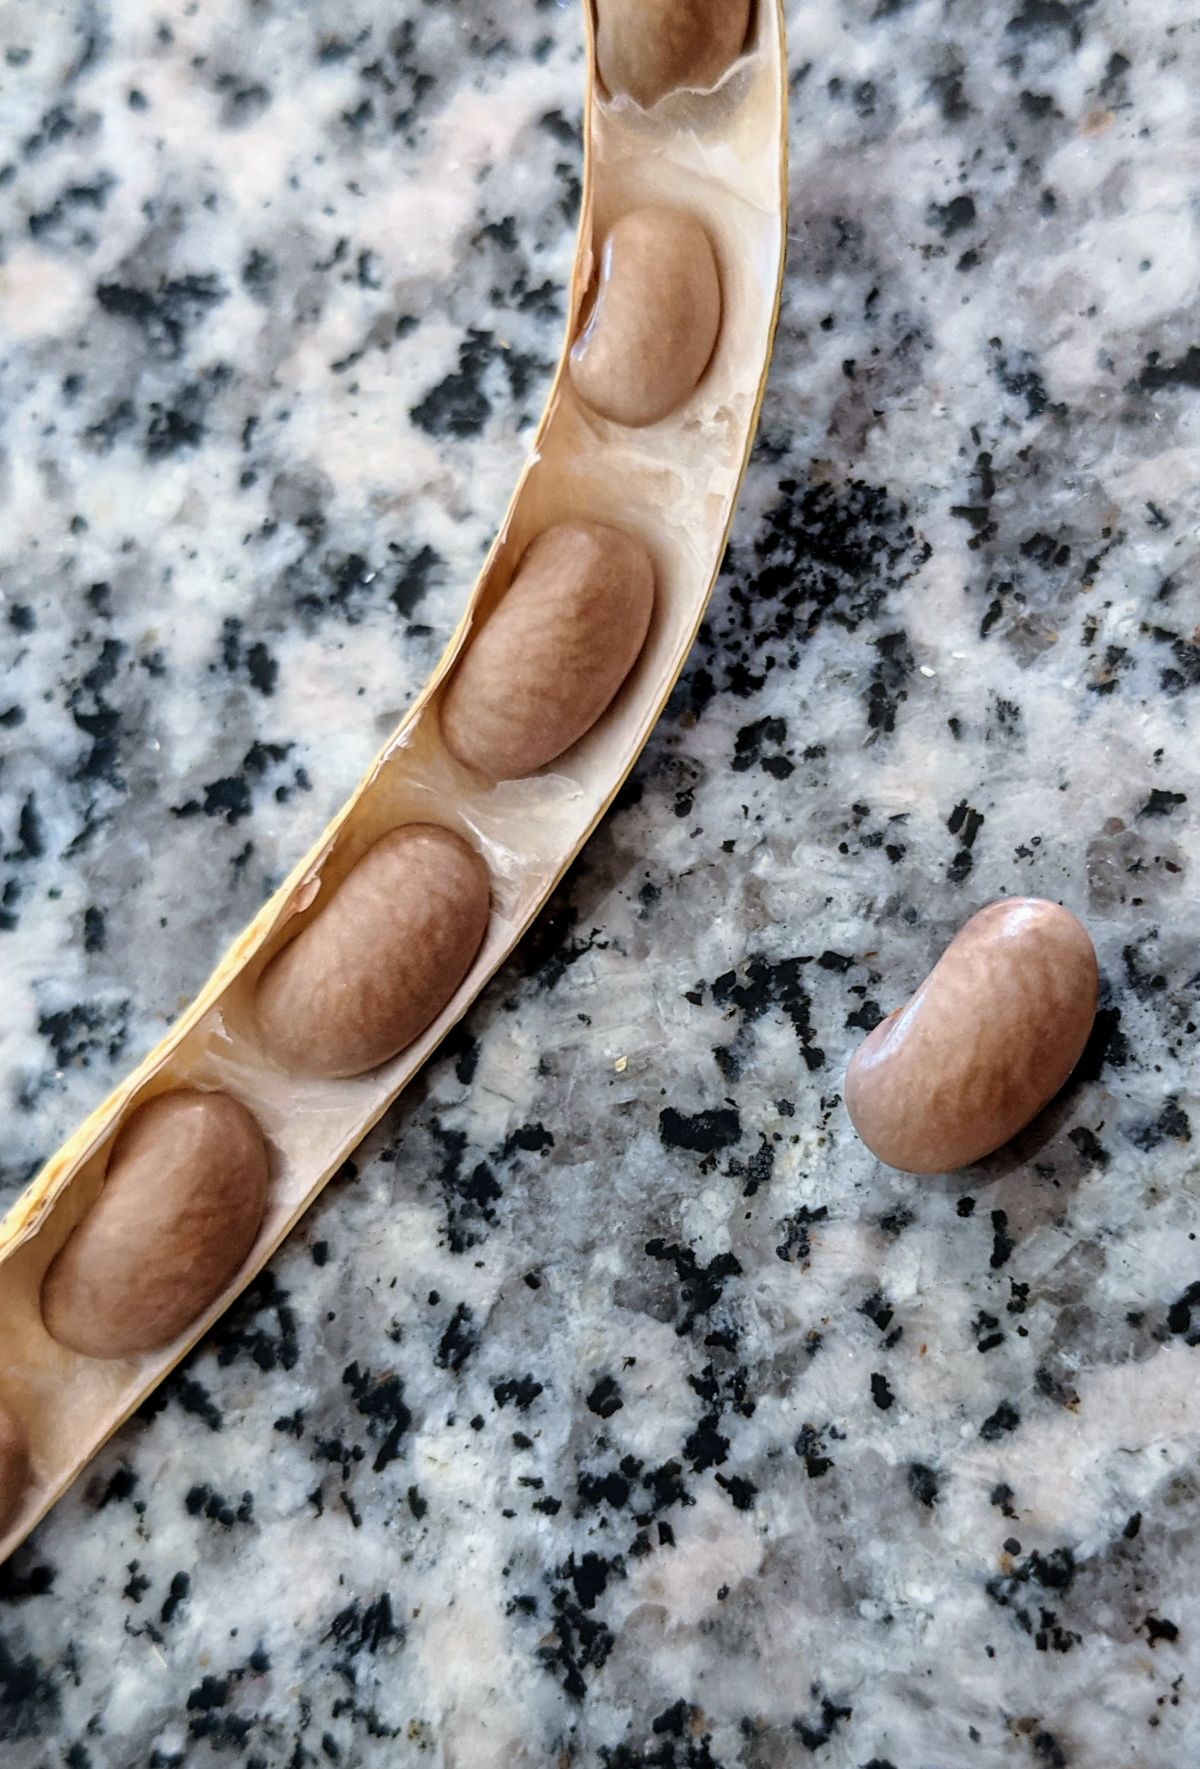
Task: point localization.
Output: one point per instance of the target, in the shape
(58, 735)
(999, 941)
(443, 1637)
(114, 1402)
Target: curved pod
(14, 1468)
(687, 480)
(378, 964)
(182, 1202)
(555, 652)
(647, 48)
(654, 324)
(987, 1040)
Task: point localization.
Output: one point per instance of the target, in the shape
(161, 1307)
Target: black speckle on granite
(517, 1391)
(164, 315)
(1184, 373)
(458, 1341)
(1088, 1145)
(953, 217)
(460, 404)
(881, 1392)
(380, 1400)
(924, 1484)
(894, 1222)
(605, 1398)
(78, 1034)
(29, 1700)
(366, 1627)
(260, 1327)
(119, 1486)
(177, 1597)
(703, 1133)
(796, 1244)
(822, 1722)
(1162, 803)
(1003, 1244)
(810, 1448)
(1005, 1419)
(819, 558)
(701, 1285)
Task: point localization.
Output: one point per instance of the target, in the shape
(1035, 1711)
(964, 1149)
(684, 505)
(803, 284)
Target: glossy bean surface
(381, 960)
(655, 319)
(182, 1201)
(647, 48)
(552, 656)
(987, 1040)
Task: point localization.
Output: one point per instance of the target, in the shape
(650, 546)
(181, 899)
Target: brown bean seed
(654, 324)
(14, 1468)
(553, 654)
(382, 959)
(987, 1040)
(182, 1201)
(647, 48)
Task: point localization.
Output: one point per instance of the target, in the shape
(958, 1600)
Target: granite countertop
(614, 1407)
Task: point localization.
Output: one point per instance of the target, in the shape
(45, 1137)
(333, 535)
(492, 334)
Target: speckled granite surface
(615, 1408)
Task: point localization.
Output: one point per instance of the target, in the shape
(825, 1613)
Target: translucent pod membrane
(649, 48)
(177, 1190)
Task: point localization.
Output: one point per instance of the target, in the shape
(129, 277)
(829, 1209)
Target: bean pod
(183, 1183)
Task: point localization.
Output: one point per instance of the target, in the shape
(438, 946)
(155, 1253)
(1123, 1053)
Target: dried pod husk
(548, 663)
(183, 1198)
(988, 1039)
(647, 48)
(716, 164)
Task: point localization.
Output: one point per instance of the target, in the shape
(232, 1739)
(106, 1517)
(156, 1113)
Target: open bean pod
(157, 1212)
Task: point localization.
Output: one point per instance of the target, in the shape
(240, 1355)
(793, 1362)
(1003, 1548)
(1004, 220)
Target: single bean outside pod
(987, 1040)
(552, 656)
(181, 1205)
(381, 960)
(14, 1468)
(647, 48)
(655, 319)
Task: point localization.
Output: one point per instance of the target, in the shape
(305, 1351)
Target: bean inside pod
(987, 1040)
(552, 656)
(676, 485)
(655, 320)
(14, 1468)
(647, 48)
(381, 960)
(182, 1202)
